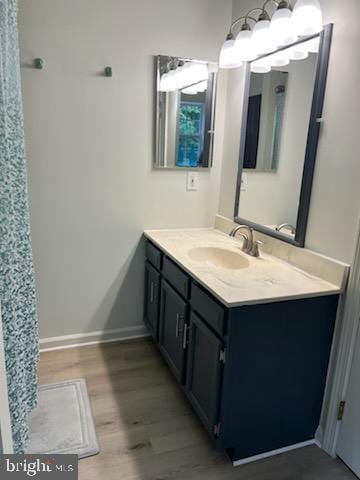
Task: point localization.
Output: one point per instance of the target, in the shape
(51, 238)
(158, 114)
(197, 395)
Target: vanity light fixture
(228, 57)
(281, 25)
(307, 17)
(265, 34)
(244, 46)
(262, 35)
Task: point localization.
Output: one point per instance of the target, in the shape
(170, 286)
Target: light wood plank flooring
(147, 430)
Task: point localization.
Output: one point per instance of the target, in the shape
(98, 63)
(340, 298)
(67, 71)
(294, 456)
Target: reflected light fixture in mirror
(298, 52)
(261, 36)
(180, 75)
(279, 59)
(260, 66)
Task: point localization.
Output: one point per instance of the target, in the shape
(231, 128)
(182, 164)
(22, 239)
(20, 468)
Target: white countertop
(266, 279)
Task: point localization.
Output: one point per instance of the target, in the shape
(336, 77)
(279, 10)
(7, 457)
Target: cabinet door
(152, 299)
(172, 323)
(204, 372)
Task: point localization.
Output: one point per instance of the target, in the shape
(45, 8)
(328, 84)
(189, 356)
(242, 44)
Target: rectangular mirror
(281, 123)
(185, 104)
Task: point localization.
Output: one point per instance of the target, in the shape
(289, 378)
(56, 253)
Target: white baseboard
(93, 338)
(243, 461)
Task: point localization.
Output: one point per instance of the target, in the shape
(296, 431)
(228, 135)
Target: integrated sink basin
(218, 258)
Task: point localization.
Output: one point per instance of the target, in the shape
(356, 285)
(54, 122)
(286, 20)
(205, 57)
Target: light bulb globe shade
(313, 45)
(163, 83)
(201, 72)
(181, 76)
(191, 74)
(279, 59)
(260, 66)
(186, 75)
(307, 17)
(171, 83)
(244, 46)
(282, 27)
(228, 57)
(262, 37)
(202, 86)
(298, 52)
(189, 91)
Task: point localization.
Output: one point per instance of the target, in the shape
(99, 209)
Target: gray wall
(89, 143)
(335, 204)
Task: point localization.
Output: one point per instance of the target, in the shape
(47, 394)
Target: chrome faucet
(250, 246)
(286, 225)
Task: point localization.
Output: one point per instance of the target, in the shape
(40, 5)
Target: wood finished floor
(146, 428)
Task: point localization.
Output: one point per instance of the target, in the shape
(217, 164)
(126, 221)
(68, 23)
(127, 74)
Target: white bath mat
(63, 422)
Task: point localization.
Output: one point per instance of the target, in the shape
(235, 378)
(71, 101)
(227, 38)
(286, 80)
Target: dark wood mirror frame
(311, 145)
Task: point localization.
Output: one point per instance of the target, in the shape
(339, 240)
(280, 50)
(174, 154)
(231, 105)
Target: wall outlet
(192, 181)
(244, 181)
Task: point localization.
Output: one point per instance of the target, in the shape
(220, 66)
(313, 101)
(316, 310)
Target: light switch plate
(244, 182)
(192, 181)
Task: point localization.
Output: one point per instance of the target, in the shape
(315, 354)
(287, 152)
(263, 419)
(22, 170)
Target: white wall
(335, 204)
(90, 142)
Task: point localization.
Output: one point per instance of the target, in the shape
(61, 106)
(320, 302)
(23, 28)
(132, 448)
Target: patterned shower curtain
(17, 286)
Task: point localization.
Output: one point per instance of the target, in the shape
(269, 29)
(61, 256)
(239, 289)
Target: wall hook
(38, 63)
(108, 72)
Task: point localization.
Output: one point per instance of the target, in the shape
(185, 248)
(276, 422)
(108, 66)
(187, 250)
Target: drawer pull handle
(152, 290)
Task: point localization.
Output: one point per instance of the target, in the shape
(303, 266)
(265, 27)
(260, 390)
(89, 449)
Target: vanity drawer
(208, 308)
(154, 255)
(176, 277)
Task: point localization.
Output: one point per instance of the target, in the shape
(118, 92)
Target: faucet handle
(255, 252)
(245, 245)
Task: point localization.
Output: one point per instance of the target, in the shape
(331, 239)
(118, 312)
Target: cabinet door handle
(177, 325)
(186, 340)
(179, 318)
(152, 292)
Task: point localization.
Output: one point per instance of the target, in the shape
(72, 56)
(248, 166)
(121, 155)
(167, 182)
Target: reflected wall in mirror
(264, 120)
(280, 127)
(184, 112)
(283, 108)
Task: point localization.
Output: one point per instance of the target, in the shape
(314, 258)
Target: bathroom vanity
(248, 339)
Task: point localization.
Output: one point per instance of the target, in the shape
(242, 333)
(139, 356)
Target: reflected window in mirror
(184, 113)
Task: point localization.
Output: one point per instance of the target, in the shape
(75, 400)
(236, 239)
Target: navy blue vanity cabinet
(173, 318)
(276, 367)
(152, 299)
(205, 363)
(255, 375)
